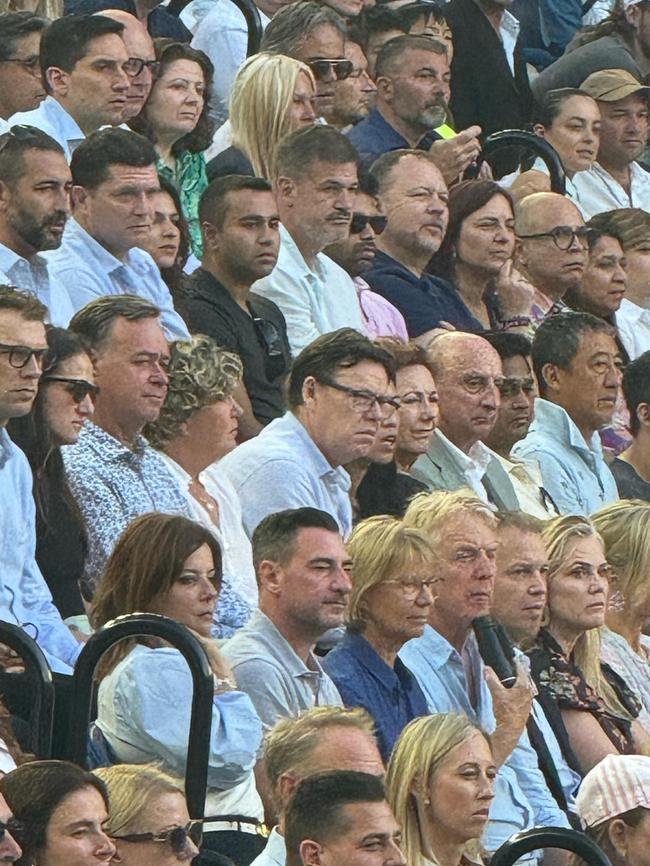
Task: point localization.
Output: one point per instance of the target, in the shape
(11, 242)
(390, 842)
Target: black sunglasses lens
(358, 223)
(378, 224)
(343, 69)
(178, 840)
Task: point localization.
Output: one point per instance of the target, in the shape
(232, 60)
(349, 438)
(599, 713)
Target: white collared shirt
(599, 192)
(33, 276)
(52, 118)
(509, 32)
(633, 326)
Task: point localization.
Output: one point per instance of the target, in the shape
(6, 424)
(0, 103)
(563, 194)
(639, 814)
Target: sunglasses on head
(341, 69)
(175, 837)
(361, 220)
(77, 388)
(269, 337)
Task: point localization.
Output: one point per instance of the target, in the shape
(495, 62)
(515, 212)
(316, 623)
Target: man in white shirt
(316, 179)
(86, 71)
(115, 180)
(35, 184)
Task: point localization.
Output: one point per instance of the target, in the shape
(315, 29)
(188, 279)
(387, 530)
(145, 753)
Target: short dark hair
(521, 521)
(509, 344)
(368, 184)
(557, 340)
(15, 26)
(384, 164)
(92, 160)
(550, 105)
(391, 52)
(67, 40)
(404, 354)
(22, 302)
(299, 150)
(15, 146)
(94, 322)
(316, 809)
(274, 537)
(291, 24)
(636, 387)
(213, 205)
(372, 21)
(411, 12)
(331, 352)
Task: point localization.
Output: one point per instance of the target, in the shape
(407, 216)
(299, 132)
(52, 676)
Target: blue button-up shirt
(51, 117)
(25, 599)
(522, 799)
(392, 696)
(282, 467)
(574, 472)
(89, 271)
(32, 275)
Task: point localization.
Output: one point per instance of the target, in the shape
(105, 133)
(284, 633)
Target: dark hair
(390, 53)
(509, 344)
(615, 23)
(636, 387)
(464, 200)
(297, 152)
(22, 302)
(167, 52)
(550, 105)
(12, 155)
(67, 40)
(94, 322)
(521, 521)
(275, 537)
(404, 354)
(34, 791)
(291, 24)
(384, 164)
(92, 160)
(411, 12)
(15, 26)
(331, 352)
(557, 340)
(316, 809)
(372, 21)
(174, 275)
(213, 205)
(368, 184)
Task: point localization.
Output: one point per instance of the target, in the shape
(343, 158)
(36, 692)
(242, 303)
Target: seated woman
(172, 566)
(392, 594)
(591, 709)
(439, 785)
(624, 527)
(65, 400)
(168, 243)
(175, 119)
(148, 822)
(197, 426)
(62, 810)
(271, 97)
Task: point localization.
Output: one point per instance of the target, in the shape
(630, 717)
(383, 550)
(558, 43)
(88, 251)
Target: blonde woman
(590, 707)
(440, 787)
(148, 822)
(271, 97)
(624, 527)
(392, 595)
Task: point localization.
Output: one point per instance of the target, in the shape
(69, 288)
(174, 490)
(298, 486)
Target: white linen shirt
(598, 191)
(52, 118)
(633, 326)
(33, 276)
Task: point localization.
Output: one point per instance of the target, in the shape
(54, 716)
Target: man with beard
(35, 186)
(354, 94)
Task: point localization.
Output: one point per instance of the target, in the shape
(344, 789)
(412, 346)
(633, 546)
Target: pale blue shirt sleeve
(223, 36)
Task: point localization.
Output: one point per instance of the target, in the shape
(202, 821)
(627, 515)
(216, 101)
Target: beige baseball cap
(617, 784)
(609, 85)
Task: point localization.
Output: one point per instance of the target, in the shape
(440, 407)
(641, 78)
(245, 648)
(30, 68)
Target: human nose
(576, 244)
(190, 851)
(158, 373)
(342, 580)
(345, 199)
(436, 205)
(86, 407)
(235, 409)
(395, 856)
(367, 84)
(33, 369)
(122, 80)
(10, 850)
(106, 849)
(537, 586)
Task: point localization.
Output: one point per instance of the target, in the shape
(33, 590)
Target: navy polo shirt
(373, 136)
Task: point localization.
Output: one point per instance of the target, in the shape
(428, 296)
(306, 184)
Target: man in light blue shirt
(115, 179)
(337, 395)
(35, 184)
(25, 599)
(577, 363)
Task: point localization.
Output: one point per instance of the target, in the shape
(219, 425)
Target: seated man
(21, 85)
(86, 71)
(341, 817)
(35, 187)
(354, 95)
(577, 365)
(302, 573)
(631, 469)
(139, 46)
(27, 601)
(315, 185)
(115, 180)
(113, 472)
(616, 179)
(337, 393)
(316, 741)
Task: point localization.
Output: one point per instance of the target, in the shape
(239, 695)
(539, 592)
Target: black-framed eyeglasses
(13, 826)
(563, 236)
(20, 356)
(175, 837)
(512, 385)
(134, 66)
(271, 340)
(31, 64)
(363, 400)
(77, 388)
(339, 67)
(360, 220)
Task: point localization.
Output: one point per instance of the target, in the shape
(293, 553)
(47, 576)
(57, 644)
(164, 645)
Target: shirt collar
(509, 24)
(322, 466)
(260, 623)
(65, 122)
(388, 133)
(477, 459)
(105, 260)
(554, 419)
(108, 448)
(9, 258)
(437, 648)
(359, 647)
(298, 264)
(6, 446)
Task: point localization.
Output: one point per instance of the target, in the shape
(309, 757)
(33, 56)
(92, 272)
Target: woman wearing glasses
(64, 402)
(392, 595)
(148, 822)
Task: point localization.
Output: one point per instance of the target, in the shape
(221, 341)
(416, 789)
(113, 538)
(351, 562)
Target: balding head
(544, 210)
(139, 45)
(467, 371)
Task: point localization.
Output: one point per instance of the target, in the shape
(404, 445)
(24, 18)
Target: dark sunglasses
(341, 69)
(175, 837)
(134, 66)
(271, 341)
(20, 356)
(512, 385)
(77, 388)
(361, 220)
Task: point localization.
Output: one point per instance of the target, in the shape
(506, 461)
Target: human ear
(311, 853)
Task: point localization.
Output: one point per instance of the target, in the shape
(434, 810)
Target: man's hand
(454, 155)
(511, 710)
(10, 661)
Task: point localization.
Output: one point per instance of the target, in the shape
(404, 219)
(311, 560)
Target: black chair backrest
(549, 837)
(141, 625)
(511, 138)
(251, 15)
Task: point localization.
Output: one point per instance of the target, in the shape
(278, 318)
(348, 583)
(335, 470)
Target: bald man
(551, 251)
(139, 45)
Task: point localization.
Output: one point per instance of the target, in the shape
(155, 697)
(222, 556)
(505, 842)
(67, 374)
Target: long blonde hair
(624, 527)
(260, 101)
(131, 788)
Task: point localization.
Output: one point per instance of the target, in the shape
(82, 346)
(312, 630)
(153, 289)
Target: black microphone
(495, 651)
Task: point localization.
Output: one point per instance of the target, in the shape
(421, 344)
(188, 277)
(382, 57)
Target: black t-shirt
(208, 308)
(629, 482)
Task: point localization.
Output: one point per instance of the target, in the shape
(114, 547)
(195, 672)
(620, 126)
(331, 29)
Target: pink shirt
(380, 317)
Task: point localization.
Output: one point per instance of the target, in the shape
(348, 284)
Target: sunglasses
(77, 388)
(322, 69)
(361, 220)
(271, 341)
(512, 385)
(175, 837)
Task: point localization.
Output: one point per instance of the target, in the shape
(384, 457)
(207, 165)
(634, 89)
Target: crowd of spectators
(337, 354)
